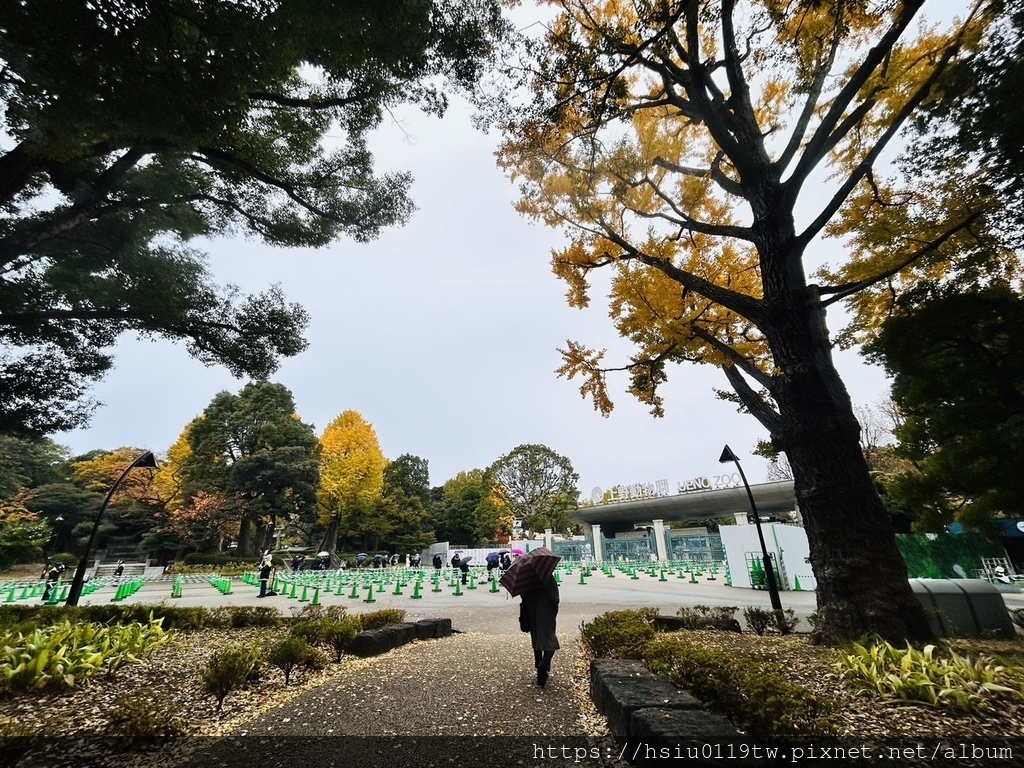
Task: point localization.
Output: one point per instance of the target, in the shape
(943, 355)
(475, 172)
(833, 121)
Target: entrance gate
(631, 548)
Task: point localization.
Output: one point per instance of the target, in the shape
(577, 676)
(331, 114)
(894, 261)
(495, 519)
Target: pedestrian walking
(52, 579)
(493, 561)
(539, 609)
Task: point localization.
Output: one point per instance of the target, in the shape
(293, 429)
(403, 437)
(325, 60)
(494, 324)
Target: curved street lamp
(769, 569)
(145, 461)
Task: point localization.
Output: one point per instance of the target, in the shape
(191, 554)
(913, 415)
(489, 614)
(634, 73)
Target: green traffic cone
(416, 591)
(437, 585)
(292, 596)
(494, 585)
(398, 587)
(662, 576)
(583, 579)
(316, 596)
(458, 588)
(369, 595)
(355, 590)
(796, 584)
(305, 594)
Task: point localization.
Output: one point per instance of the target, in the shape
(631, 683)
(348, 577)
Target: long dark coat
(542, 608)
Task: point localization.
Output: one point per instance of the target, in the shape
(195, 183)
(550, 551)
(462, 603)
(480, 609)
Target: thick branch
(714, 173)
(737, 359)
(88, 206)
(840, 292)
(817, 147)
(810, 103)
(752, 401)
(741, 304)
(865, 166)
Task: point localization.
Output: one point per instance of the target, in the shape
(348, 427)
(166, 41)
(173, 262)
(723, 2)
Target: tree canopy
(133, 127)
(253, 449)
(351, 477)
(537, 485)
(679, 145)
(957, 364)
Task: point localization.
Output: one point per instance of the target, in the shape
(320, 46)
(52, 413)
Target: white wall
(788, 542)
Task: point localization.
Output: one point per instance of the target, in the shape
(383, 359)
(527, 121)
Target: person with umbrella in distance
(532, 578)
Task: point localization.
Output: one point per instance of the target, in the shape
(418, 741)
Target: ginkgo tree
(351, 477)
(681, 146)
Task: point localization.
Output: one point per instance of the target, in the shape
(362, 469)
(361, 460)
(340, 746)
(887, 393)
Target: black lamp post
(769, 569)
(146, 461)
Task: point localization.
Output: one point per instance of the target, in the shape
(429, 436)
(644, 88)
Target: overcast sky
(443, 334)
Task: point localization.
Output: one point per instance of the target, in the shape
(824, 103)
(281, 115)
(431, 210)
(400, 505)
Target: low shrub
(146, 718)
(757, 619)
(381, 618)
(706, 617)
(288, 654)
(310, 631)
(755, 695)
(760, 620)
(878, 668)
(228, 669)
(321, 612)
(240, 616)
(619, 634)
(785, 621)
(339, 633)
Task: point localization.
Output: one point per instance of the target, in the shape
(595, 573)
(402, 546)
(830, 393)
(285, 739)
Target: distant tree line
(248, 474)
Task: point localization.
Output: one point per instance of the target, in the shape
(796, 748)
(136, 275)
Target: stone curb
(373, 642)
(655, 722)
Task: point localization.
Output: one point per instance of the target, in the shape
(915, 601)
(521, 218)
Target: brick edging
(654, 721)
(373, 642)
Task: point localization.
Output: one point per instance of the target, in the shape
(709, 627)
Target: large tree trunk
(330, 539)
(244, 536)
(862, 579)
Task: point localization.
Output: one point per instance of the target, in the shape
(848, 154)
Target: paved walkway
(467, 700)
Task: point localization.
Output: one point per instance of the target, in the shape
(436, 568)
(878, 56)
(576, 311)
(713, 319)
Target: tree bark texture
(863, 587)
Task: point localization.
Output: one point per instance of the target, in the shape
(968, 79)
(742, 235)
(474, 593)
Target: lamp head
(727, 455)
(146, 461)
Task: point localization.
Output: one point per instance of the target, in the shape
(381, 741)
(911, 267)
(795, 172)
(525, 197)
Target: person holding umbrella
(532, 577)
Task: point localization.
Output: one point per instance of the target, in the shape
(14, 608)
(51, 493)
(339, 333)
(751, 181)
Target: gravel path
(467, 700)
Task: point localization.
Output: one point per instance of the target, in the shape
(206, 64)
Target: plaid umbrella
(530, 572)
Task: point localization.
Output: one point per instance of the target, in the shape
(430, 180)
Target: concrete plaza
(483, 610)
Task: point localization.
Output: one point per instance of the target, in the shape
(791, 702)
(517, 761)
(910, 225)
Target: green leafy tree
(410, 475)
(69, 511)
(28, 463)
(254, 449)
(680, 145)
(536, 485)
(133, 127)
(411, 529)
(465, 499)
(957, 364)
